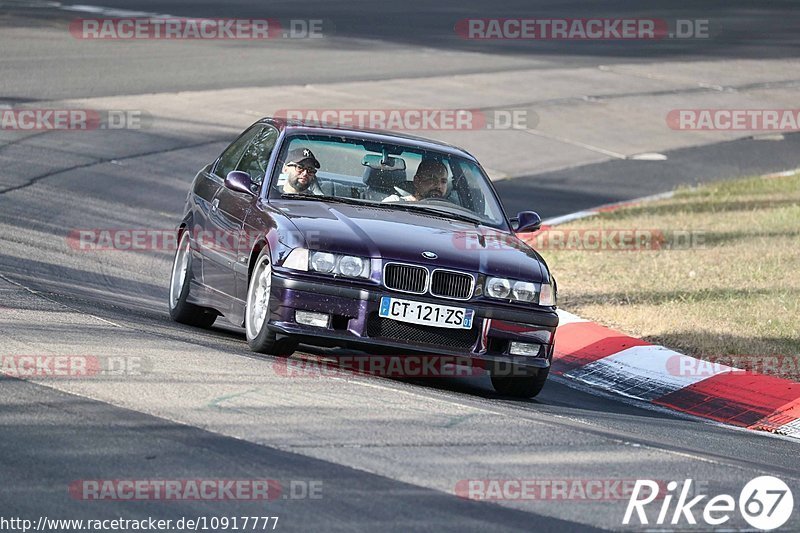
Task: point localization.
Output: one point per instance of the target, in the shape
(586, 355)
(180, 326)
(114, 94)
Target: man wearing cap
(301, 172)
(430, 181)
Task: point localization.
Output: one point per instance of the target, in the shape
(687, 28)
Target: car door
(255, 162)
(216, 230)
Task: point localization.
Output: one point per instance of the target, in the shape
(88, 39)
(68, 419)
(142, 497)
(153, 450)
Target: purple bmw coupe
(381, 242)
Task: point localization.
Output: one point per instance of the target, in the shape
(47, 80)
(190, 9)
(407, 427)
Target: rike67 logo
(765, 503)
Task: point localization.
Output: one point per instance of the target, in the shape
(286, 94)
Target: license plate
(442, 316)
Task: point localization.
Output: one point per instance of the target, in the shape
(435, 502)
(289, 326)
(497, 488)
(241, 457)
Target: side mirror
(526, 221)
(239, 181)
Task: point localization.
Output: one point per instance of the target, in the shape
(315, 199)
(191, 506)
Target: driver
(301, 172)
(430, 181)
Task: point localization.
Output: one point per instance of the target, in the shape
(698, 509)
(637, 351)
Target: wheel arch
(183, 226)
(262, 243)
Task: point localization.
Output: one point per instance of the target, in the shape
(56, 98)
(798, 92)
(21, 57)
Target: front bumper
(355, 323)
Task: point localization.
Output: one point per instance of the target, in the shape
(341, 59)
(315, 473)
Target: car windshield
(392, 176)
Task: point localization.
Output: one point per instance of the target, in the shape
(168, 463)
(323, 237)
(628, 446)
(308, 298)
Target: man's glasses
(430, 178)
(302, 168)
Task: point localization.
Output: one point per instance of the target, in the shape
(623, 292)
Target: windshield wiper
(440, 212)
(406, 206)
(322, 198)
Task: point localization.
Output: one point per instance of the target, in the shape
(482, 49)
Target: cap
(298, 155)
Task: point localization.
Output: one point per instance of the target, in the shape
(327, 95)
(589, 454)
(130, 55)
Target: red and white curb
(611, 361)
(614, 362)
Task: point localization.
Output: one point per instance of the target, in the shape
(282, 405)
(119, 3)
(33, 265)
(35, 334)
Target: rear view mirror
(383, 162)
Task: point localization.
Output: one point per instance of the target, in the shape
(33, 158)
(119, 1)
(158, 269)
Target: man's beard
(294, 181)
(433, 193)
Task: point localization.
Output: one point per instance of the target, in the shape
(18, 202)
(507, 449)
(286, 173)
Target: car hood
(400, 235)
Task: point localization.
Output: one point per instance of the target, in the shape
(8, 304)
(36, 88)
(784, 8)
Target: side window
(256, 157)
(231, 156)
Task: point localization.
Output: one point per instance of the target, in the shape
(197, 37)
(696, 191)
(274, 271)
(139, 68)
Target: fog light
(308, 318)
(523, 348)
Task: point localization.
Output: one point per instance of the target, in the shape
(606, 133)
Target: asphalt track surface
(389, 453)
(395, 32)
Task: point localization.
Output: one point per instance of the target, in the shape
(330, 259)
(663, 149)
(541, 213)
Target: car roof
(300, 127)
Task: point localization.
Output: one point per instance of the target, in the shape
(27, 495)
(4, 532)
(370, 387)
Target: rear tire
(520, 386)
(256, 314)
(179, 309)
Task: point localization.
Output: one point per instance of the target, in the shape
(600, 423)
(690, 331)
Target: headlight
(327, 263)
(547, 295)
(520, 291)
(323, 262)
(350, 266)
(498, 288)
(524, 291)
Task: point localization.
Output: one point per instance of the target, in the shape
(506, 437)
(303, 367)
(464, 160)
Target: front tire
(179, 309)
(520, 386)
(256, 314)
